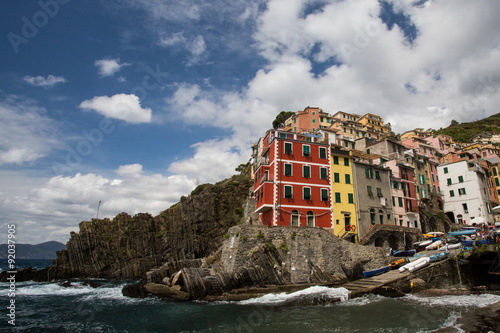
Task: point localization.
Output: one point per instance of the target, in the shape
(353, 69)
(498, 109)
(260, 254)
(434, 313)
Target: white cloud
(121, 106)
(108, 67)
(50, 210)
(41, 81)
(195, 46)
(26, 133)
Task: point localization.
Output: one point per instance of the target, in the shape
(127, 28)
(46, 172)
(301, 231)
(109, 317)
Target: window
(350, 198)
(346, 161)
(335, 160)
(466, 210)
(314, 121)
(323, 173)
(452, 194)
(368, 172)
(306, 171)
(393, 147)
(422, 179)
(307, 193)
(306, 150)
(345, 130)
(337, 197)
(288, 192)
(288, 148)
(295, 218)
(381, 216)
(369, 190)
(350, 130)
(310, 219)
(400, 202)
(372, 216)
(393, 202)
(461, 191)
(445, 170)
(322, 152)
(460, 179)
(347, 179)
(497, 182)
(379, 192)
(377, 174)
(448, 181)
(288, 169)
(336, 177)
(368, 151)
(495, 171)
(324, 194)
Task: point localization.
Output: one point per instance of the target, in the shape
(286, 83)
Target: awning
(496, 209)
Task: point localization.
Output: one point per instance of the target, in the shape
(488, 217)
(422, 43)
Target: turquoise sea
(50, 307)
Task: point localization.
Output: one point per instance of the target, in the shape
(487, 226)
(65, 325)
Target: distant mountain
(45, 250)
(463, 132)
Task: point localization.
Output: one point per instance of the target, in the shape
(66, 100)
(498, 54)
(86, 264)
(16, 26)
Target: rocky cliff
(256, 256)
(127, 247)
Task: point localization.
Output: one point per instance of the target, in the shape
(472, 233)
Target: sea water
(50, 307)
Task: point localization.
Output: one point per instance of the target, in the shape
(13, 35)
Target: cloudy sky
(135, 102)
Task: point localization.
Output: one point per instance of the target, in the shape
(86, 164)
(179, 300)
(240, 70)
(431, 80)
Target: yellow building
(343, 195)
(373, 122)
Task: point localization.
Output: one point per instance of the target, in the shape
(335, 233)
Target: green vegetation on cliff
(463, 132)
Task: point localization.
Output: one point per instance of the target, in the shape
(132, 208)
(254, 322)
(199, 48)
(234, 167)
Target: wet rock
(162, 290)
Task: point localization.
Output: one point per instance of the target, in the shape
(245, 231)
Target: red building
(292, 180)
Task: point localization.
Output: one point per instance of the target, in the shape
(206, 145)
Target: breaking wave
(309, 296)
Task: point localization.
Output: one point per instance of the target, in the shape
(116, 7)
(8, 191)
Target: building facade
(465, 191)
(292, 182)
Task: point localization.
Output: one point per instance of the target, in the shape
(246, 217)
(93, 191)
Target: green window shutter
(336, 177)
(460, 179)
(335, 160)
(346, 161)
(324, 194)
(367, 172)
(288, 148)
(400, 202)
(306, 150)
(445, 170)
(377, 174)
(379, 192)
(307, 171)
(337, 197)
(497, 182)
(448, 181)
(322, 152)
(350, 197)
(324, 173)
(452, 194)
(495, 171)
(288, 169)
(369, 190)
(307, 193)
(288, 192)
(347, 179)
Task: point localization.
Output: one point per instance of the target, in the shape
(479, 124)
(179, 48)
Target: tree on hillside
(281, 118)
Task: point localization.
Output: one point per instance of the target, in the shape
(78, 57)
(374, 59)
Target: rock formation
(127, 247)
(257, 256)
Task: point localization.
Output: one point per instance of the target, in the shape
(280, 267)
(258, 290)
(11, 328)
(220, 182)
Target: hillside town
(351, 174)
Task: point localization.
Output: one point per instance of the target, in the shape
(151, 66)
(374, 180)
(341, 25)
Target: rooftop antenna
(98, 209)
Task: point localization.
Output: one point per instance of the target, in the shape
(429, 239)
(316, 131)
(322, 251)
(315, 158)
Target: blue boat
(376, 271)
(406, 253)
(462, 232)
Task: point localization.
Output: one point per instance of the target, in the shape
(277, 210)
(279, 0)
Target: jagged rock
(162, 290)
(135, 290)
(258, 256)
(92, 283)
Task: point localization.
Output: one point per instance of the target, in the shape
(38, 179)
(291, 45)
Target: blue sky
(134, 103)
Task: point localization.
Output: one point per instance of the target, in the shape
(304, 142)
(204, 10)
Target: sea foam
(310, 295)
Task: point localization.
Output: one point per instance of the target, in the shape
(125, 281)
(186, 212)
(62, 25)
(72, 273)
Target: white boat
(434, 245)
(450, 247)
(412, 264)
(419, 264)
(436, 233)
